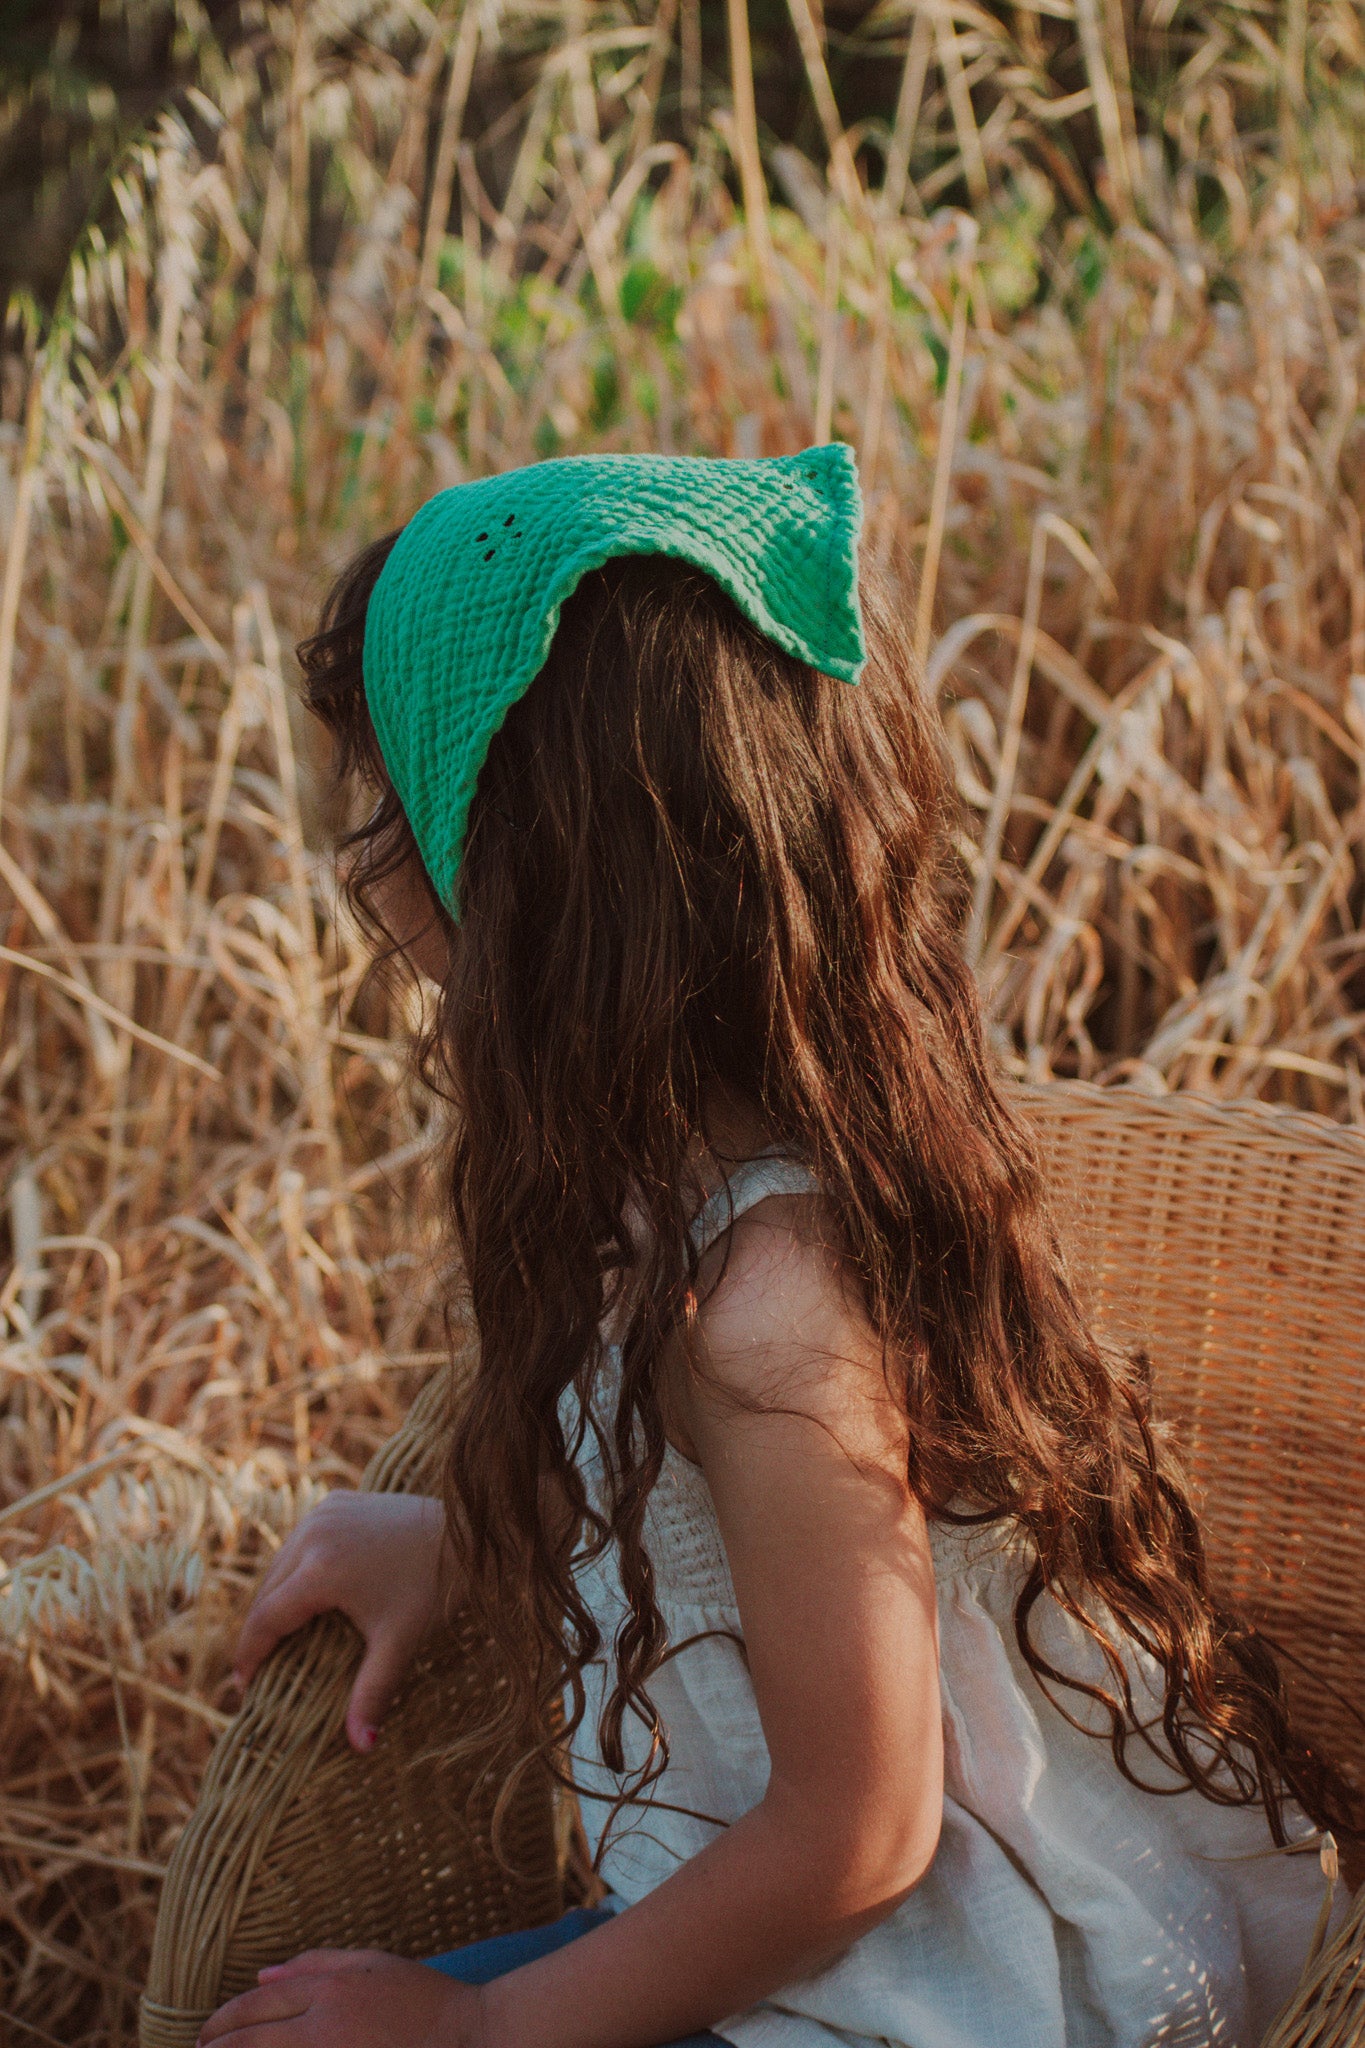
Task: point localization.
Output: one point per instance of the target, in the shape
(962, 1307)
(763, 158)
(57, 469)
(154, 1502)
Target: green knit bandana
(461, 619)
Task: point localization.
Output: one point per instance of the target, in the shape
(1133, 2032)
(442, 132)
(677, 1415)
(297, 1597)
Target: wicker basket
(1229, 1240)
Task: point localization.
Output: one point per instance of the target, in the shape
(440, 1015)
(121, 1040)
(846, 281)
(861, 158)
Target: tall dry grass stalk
(1137, 498)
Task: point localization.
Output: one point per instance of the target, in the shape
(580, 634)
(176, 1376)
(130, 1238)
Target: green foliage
(1012, 243)
(1088, 264)
(649, 299)
(939, 352)
(606, 394)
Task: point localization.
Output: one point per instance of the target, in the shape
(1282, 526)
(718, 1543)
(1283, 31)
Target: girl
(898, 1704)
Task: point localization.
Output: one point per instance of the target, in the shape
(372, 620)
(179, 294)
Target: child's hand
(382, 1559)
(349, 1998)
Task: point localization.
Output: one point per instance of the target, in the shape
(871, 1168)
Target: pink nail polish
(368, 1738)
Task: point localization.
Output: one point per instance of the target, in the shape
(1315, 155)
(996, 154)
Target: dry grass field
(1091, 314)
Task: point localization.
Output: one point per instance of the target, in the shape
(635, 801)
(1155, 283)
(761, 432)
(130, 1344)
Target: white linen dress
(1064, 1908)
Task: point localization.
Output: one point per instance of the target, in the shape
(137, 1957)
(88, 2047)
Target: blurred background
(1080, 280)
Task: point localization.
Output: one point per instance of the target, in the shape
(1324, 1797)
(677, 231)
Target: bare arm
(804, 1451)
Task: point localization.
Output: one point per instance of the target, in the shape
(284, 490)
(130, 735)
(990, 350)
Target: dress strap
(768, 1174)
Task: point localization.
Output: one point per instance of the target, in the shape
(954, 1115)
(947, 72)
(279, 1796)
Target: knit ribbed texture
(461, 619)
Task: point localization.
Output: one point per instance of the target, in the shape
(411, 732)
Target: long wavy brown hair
(696, 866)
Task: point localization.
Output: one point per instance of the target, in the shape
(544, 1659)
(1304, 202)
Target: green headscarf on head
(461, 618)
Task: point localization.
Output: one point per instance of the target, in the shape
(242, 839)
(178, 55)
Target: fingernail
(368, 1737)
(269, 1970)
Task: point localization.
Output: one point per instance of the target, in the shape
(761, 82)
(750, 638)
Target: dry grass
(1137, 505)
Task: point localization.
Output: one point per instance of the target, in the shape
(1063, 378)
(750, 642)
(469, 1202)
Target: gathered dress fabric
(1065, 1907)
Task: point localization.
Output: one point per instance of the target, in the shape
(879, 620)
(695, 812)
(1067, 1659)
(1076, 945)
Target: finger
(259, 1632)
(386, 1658)
(273, 1617)
(266, 2004)
(321, 1962)
(286, 1560)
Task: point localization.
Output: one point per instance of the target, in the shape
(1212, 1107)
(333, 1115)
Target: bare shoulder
(780, 1264)
(782, 1323)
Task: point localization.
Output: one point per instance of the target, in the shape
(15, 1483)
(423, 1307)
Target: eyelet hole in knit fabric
(441, 674)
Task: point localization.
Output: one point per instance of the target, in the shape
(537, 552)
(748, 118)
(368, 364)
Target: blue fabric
(482, 1961)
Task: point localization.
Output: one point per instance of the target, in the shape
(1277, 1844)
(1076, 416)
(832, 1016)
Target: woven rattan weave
(1228, 1240)
(296, 1842)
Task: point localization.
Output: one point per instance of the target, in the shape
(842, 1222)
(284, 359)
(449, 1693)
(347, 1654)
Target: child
(898, 1705)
